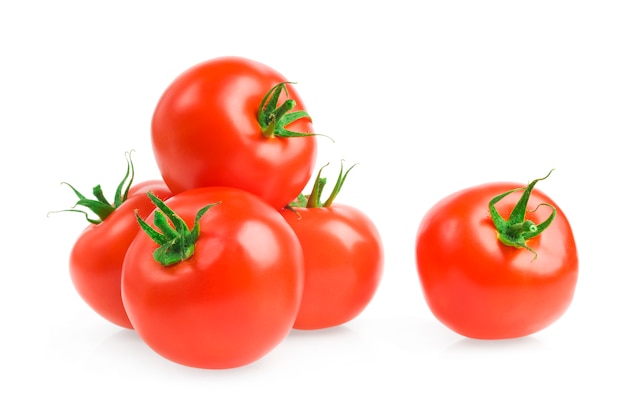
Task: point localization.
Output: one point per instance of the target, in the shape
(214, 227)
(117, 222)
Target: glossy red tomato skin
(483, 289)
(343, 258)
(98, 254)
(234, 300)
(205, 133)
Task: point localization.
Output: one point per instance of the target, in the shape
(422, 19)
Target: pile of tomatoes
(214, 264)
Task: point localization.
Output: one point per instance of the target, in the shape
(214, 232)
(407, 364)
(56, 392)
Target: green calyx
(273, 118)
(176, 241)
(516, 231)
(314, 199)
(100, 206)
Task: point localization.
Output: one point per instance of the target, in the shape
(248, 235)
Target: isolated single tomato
(492, 276)
(216, 279)
(234, 122)
(97, 256)
(343, 258)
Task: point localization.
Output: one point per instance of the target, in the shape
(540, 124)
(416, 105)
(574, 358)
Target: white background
(427, 96)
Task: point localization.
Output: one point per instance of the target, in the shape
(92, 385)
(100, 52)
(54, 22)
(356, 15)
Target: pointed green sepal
(274, 118)
(517, 230)
(100, 206)
(176, 241)
(314, 199)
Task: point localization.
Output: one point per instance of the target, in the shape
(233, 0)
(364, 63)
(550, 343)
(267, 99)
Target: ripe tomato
(224, 293)
(481, 287)
(211, 128)
(97, 255)
(343, 259)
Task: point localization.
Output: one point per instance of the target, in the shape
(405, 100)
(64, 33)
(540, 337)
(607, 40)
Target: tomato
(343, 259)
(96, 258)
(486, 277)
(222, 294)
(228, 122)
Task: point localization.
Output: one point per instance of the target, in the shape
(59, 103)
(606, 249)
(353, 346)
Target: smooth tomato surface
(234, 299)
(483, 289)
(343, 258)
(205, 133)
(98, 254)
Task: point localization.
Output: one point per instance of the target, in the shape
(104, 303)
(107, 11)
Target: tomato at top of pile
(234, 122)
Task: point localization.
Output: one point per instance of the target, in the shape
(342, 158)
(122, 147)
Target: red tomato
(343, 259)
(98, 254)
(206, 131)
(482, 288)
(237, 294)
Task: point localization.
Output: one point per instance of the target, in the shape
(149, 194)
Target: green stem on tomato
(314, 199)
(516, 231)
(100, 206)
(273, 118)
(176, 241)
